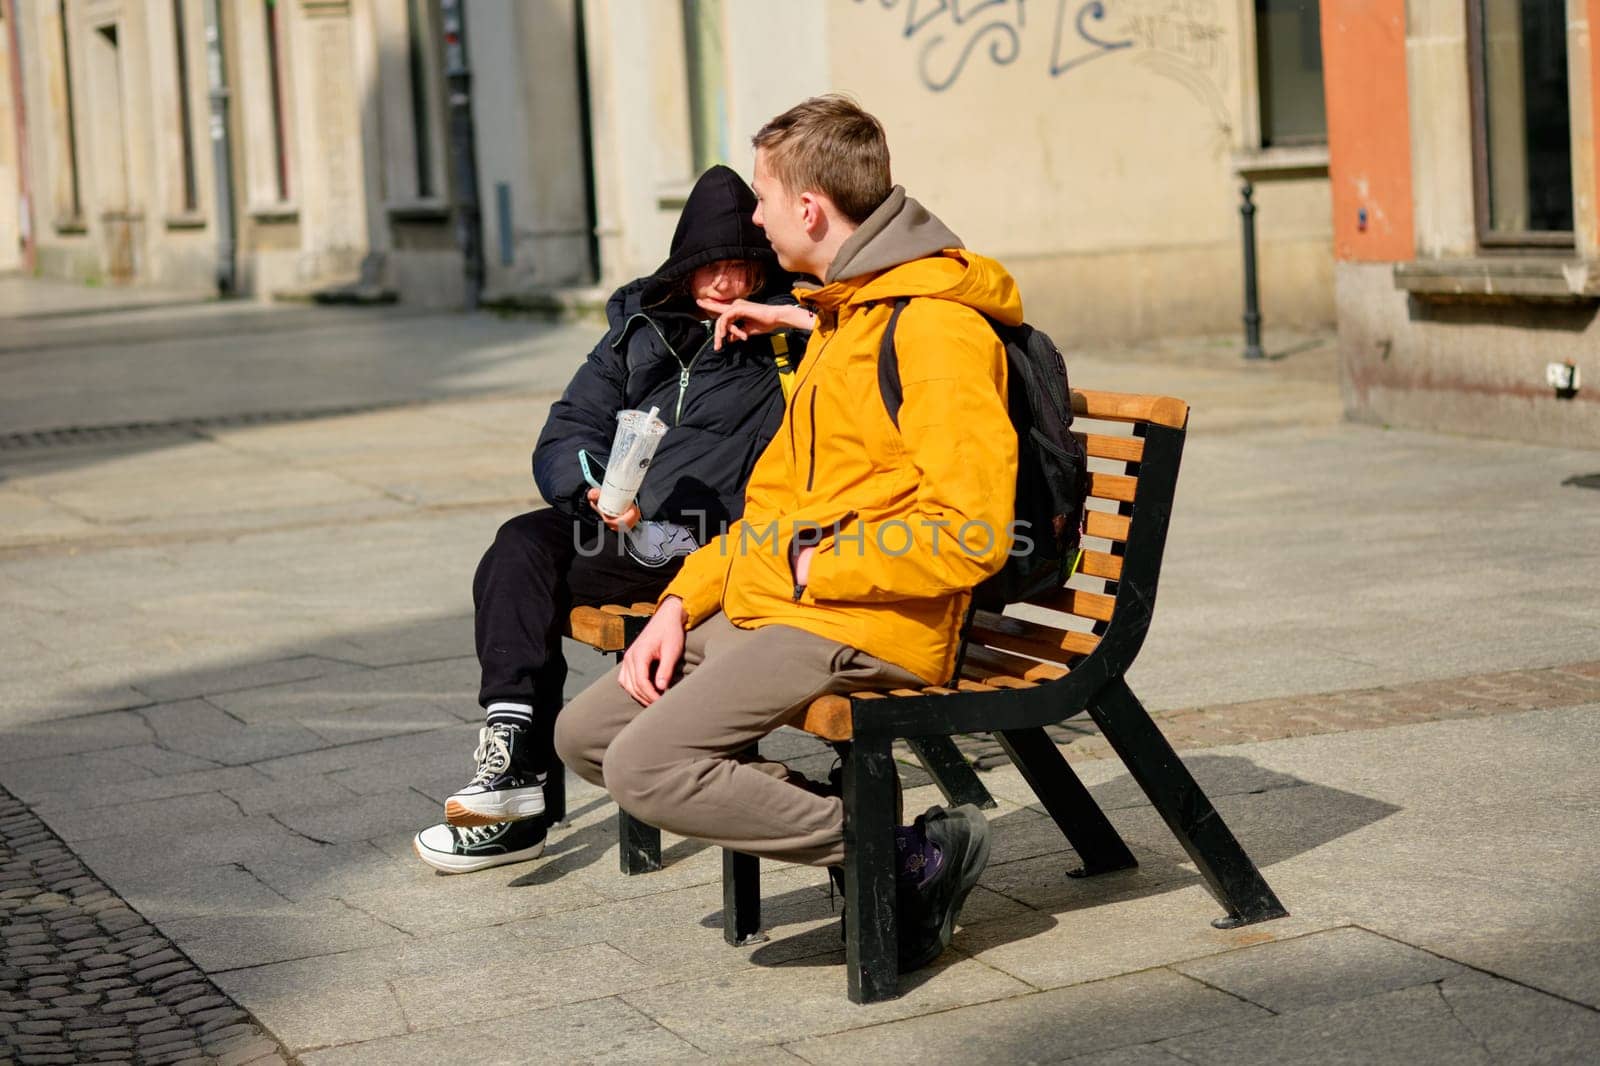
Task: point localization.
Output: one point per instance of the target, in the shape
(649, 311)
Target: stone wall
(1099, 156)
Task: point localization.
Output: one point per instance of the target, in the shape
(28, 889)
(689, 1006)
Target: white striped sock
(517, 714)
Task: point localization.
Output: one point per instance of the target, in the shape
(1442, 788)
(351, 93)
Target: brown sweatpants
(676, 764)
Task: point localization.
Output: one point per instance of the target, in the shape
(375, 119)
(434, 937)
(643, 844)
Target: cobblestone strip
(1475, 696)
(84, 978)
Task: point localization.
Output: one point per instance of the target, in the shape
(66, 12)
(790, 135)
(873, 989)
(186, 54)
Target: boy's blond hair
(828, 144)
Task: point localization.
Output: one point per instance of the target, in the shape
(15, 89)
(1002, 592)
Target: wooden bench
(1040, 663)
(611, 628)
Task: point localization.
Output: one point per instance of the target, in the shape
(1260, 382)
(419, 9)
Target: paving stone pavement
(1477, 695)
(84, 978)
(239, 668)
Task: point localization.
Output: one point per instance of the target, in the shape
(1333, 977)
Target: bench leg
(1080, 819)
(741, 899)
(871, 945)
(640, 844)
(1232, 877)
(555, 796)
(950, 771)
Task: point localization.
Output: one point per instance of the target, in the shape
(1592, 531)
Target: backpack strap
(889, 365)
(785, 365)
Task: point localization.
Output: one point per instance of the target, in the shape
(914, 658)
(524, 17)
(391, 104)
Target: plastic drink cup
(638, 434)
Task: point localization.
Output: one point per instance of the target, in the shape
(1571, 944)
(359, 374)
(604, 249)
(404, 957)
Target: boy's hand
(743, 319)
(802, 566)
(648, 665)
(624, 521)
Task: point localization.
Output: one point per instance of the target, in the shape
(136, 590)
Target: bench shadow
(345, 745)
(573, 849)
(1275, 816)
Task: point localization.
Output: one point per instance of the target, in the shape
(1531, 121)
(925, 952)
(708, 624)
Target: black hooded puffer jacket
(721, 407)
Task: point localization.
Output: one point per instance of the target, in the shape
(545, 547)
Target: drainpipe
(24, 175)
(463, 149)
(221, 157)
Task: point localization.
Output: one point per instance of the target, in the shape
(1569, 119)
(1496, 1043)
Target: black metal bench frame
(1016, 717)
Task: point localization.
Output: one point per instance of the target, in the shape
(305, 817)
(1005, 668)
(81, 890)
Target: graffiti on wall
(1183, 40)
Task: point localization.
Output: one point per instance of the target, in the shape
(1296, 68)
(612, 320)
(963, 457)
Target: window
(1522, 129)
(191, 193)
(1289, 73)
(420, 38)
(264, 41)
(280, 148)
(70, 198)
(410, 44)
(708, 96)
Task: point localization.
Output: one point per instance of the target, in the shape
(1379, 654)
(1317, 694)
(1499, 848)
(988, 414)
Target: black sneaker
(461, 851)
(927, 912)
(505, 788)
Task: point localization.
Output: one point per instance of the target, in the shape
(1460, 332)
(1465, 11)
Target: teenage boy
(860, 540)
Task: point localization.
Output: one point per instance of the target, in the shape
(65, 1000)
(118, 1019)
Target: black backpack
(1052, 469)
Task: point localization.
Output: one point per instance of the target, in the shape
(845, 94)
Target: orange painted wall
(1369, 131)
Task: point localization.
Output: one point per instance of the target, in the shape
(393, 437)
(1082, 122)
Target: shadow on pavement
(1275, 816)
(297, 779)
(83, 391)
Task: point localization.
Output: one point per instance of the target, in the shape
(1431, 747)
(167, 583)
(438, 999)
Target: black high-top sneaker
(506, 787)
(453, 850)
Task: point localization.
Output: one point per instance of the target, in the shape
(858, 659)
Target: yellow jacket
(907, 520)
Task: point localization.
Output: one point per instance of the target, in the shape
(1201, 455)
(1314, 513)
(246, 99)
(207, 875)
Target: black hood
(715, 224)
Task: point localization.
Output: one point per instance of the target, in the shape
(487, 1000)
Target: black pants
(540, 566)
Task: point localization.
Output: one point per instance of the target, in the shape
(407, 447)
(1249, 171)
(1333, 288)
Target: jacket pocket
(812, 535)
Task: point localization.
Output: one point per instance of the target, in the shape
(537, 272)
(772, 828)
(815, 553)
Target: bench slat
(1117, 487)
(1039, 641)
(1105, 525)
(1101, 564)
(1013, 682)
(974, 686)
(990, 665)
(829, 717)
(1092, 605)
(1124, 407)
(601, 629)
(1108, 446)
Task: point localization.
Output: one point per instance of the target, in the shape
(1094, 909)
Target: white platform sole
(487, 808)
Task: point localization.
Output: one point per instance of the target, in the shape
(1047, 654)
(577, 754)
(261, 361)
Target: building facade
(1466, 208)
(1097, 148)
(281, 146)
